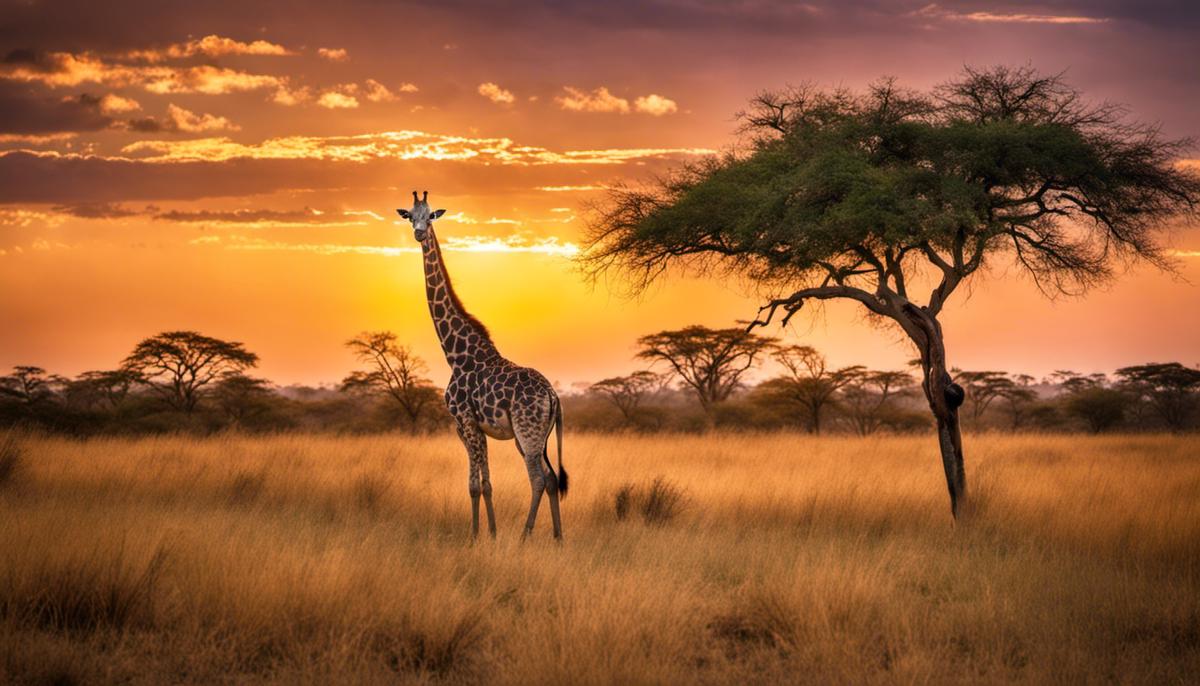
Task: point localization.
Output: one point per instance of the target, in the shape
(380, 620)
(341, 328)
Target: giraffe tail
(558, 430)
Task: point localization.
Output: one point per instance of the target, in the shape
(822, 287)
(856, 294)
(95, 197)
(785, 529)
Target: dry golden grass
(301, 559)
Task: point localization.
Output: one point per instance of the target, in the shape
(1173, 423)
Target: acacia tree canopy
(179, 364)
(394, 372)
(840, 195)
(709, 361)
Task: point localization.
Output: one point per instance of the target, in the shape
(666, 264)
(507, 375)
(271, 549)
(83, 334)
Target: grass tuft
(11, 457)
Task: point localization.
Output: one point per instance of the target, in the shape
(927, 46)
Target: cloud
(396, 145)
(115, 104)
(156, 170)
(571, 189)
(21, 218)
(25, 112)
(291, 96)
(514, 243)
(208, 80)
(599, 100)
(334, 54)
(97, 210)
(377, 92)
(408, 88)
(179, 120)
(335, 100)
(264, 218)
(211, 46)
(933, 11)
(496, 94)
(655, 105)
(61, 69)
(190, 122)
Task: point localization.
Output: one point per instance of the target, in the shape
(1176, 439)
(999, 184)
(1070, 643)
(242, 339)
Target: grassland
(756, 559)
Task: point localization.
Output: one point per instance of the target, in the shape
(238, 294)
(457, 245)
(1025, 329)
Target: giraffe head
(421, 217)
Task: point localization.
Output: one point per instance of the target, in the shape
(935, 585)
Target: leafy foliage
(709, 361)
(179, 364)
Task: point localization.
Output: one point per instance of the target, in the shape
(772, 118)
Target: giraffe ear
(404, 213)
(437, 214)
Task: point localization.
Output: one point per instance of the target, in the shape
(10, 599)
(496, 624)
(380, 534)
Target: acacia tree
(868, 395)
(1018, 398)
(627, 392)
(177, 365)
(242, 397)
(395, 372)
(709, 361)
(108, 387)
(31, 385)
(894, 199)
(1170, 388)
(807, 382)
(982, 389)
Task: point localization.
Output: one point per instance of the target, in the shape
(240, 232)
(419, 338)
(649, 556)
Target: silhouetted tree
(241, 397)
(1098, 407)
(627, 392)
(843, 196)
(394, 373)
(807, 384)
(1171, 389)
(177, 365)
(982, 389)
(29, 385)
(867, 398)
(101, 388)
(1017, 398)
(709, 361)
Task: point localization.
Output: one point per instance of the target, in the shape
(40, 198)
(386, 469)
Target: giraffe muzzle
(420, 234)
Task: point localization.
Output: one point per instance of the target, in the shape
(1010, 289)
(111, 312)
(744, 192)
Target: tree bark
(944, 399)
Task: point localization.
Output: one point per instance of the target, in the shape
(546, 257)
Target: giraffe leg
(476, 443)
(486, 487)
(537, 484)
(552, 495)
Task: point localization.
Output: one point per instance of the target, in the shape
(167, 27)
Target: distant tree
(1171, 389)
(101, 388)
(837, 195)
(807, 385)
(29, 385)
(394, 372)
(1017, 399)
(982, 389)
(241, 397)
(1098, 407)
(177, 365)
(867, 398)
(709, 361)
(627, 392)
(1071, 382)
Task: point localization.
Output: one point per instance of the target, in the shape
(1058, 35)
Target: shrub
(659, 503)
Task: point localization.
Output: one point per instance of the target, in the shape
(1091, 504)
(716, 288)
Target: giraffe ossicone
(488, 395)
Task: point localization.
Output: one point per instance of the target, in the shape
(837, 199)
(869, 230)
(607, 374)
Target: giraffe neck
(463, 337)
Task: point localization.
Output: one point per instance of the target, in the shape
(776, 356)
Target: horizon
(172, 168)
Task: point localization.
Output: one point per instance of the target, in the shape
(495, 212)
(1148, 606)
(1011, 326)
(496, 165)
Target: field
(759, 559)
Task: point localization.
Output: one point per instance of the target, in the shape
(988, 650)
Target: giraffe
(488, 395)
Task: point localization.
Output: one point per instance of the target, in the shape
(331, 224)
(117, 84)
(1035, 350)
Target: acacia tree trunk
(944, 398)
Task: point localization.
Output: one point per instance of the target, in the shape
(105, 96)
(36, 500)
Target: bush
(659, 503)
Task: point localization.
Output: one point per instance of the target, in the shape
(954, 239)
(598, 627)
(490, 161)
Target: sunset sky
(234, 167)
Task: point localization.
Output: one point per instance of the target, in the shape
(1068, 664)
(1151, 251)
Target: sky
(234, 168)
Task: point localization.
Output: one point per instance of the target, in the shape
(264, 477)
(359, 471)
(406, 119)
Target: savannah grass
(711, 559)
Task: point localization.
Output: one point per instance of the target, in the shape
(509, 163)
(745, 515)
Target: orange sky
(235, 170)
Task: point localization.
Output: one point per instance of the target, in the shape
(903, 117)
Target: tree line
(695, 379)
